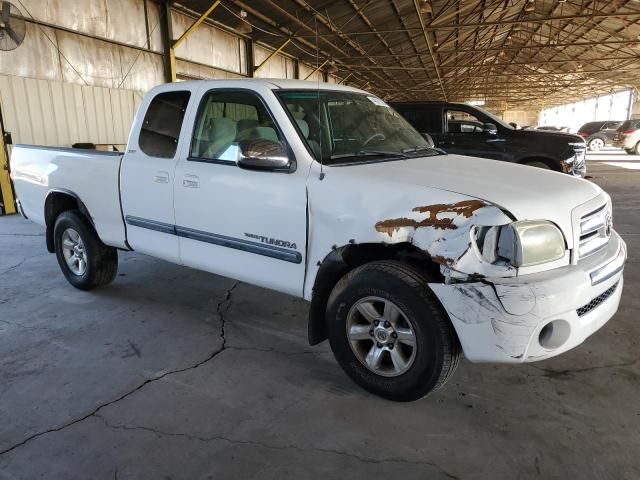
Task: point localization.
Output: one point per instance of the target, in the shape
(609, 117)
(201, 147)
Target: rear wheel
(85, 261)
(636, 149)
(595, 144)
(389, 333)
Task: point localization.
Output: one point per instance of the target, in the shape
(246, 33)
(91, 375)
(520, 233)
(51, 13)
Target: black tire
(102, 261)
(437, 351)
(637, 149)
(538, 164)
(591, 144)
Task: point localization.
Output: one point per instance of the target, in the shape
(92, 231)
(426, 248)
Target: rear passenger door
(147, 173)
(245, 224)
(610, 129)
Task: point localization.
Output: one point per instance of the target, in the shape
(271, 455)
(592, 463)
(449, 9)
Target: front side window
(459, 121)
(162, 123)
(344, 127)
(226, 118)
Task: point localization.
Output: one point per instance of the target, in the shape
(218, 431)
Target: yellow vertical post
(5, 182)
(187, 32)
(172, 64)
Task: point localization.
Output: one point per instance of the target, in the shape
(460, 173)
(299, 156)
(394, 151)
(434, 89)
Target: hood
(527, 193)
(546, 134)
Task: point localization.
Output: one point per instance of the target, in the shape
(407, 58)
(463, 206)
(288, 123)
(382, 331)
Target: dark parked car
(599, 134)
(467, 130)
(628, 137)
(551, 128)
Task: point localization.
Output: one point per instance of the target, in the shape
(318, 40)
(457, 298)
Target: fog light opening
(554, 334)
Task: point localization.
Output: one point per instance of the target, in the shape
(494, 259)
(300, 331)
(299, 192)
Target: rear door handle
(161, 177)
(190, 181)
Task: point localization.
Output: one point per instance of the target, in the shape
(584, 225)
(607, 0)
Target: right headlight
(521, 244)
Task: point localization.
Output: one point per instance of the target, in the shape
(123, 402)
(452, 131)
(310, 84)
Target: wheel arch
(553, 163)
(58, 201)
(341, 260)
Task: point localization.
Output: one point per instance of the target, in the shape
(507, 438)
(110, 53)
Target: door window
(162, 123)
(611, 125)
(459, 121)
(226, 118)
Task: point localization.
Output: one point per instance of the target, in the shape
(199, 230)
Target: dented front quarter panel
(445, 232)
(346, 208)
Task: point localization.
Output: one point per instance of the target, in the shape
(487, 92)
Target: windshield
(347, 127)
(496, 120)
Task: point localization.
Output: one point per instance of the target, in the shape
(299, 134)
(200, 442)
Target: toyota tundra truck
(407, 256)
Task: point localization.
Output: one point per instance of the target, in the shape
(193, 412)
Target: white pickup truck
(408, 256)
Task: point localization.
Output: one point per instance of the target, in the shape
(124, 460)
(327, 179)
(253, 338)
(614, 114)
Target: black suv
(599, 134)
(468, 130)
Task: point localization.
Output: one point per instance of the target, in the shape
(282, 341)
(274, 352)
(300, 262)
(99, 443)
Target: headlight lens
(522, 244)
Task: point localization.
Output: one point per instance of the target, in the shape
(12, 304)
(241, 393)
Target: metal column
(8, 201)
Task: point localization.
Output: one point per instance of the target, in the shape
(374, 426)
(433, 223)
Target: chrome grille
(595, 231)
(594, 303)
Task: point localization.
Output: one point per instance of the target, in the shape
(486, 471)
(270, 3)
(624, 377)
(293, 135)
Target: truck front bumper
(533, 317)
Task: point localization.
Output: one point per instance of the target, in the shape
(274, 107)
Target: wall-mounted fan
(12, 26)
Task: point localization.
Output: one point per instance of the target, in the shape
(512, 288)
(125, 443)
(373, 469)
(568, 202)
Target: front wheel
(537, 164)
(85, 261)
(389, 333)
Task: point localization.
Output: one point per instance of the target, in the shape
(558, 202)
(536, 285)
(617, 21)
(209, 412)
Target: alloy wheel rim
(381, 336)
(596, 144)
(74, 252)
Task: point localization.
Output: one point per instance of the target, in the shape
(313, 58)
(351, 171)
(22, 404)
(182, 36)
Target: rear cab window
(162, 124)
(424, 118)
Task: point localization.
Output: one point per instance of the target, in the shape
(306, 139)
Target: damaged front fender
(445, 232)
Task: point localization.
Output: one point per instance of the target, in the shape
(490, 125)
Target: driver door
(464, 135)
(244, 224)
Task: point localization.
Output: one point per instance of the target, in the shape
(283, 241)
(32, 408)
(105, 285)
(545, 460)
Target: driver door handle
(190, 181)
(161, 177)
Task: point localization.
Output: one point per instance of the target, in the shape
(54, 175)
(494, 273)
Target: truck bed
(91, 176)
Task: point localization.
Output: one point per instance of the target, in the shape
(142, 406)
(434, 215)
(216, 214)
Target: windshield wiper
(372, 153)
(417, 148)
(420, 148)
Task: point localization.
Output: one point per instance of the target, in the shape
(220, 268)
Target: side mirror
(261, 154)
(429, 140)
(490, 129)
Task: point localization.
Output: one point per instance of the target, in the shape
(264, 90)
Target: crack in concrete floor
(560, 373)
(239, 441)
(222, 307)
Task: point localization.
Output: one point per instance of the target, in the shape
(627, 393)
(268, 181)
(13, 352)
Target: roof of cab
(272, 83)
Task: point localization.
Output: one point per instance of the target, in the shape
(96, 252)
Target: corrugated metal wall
(210, 46)
(80, 77)
(307, 70)
(280, 66)
(55, 54)
(45, 112)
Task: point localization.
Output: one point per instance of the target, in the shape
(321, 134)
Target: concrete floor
(171, 373)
